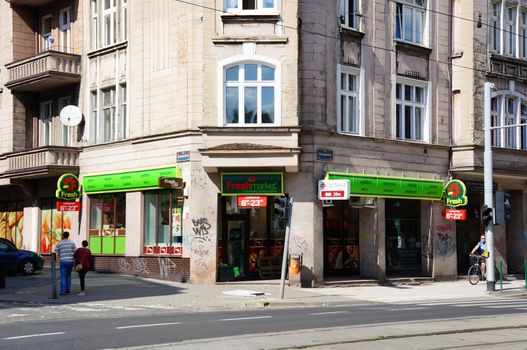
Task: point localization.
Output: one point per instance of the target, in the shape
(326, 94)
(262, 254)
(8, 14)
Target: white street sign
(334, 189)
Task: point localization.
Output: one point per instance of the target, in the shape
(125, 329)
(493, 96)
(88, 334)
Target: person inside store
(481, 249)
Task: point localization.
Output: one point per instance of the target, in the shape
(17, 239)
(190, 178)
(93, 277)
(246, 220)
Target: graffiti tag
(444, 245)
(201, 229)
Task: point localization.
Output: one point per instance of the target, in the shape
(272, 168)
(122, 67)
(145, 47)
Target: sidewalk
(114, 289)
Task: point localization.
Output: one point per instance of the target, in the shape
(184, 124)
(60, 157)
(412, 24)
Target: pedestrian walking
(65, 249)
(83, 259)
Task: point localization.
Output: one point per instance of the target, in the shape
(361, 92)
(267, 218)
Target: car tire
(27, 267)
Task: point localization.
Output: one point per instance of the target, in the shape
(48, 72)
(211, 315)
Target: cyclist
(481, 248)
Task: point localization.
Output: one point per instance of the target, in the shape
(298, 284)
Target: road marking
(470, 302)
(149, 325)
(409, 309)
(33, 335)
(245, 318)
(329, 313)
(504, 306)
(17, 315)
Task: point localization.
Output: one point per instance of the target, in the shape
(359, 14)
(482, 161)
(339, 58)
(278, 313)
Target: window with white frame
(410, 110)
(349, 13)
(46, 38)
(249, 5)
(495, 25)
(510, 31)
(45, 123)
(509, 110)
(108, 22)
(109, 118)
(523, 34)
(250, 94)
(349, 100)
(508, 28)
(410, 20)
(65, 44)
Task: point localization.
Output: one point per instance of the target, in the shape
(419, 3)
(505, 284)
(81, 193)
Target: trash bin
(2, 276)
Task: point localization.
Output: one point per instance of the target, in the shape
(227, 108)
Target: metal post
(53, 276)
(501, 274)
(525, 273)
(487, 166)
(285, 257)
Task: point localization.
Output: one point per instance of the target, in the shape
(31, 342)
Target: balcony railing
(44, 71)
(41, 162)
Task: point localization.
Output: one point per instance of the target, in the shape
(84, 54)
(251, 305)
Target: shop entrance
(250, 246)
(341, 240)
(403, 237)
(468, 232)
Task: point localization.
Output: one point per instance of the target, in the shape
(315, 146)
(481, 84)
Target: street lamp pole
(488, 188)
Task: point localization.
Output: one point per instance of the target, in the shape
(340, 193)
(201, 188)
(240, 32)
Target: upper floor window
(65, 44)
(349, 100)
(109, 119)
(45, 123)
(45, 33)
(250, 94)
(410, 110)
(410, 20)
(495, 25)
(349, 13)
(508, 29)
(250, 5)
(506, 111)
(108, 22)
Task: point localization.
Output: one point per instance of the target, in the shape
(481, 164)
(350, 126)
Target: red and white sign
(334, 189)
(455, 214)
(252, 201)
(68, 206)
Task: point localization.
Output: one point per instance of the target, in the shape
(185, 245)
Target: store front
(251, 240)
(12, 222)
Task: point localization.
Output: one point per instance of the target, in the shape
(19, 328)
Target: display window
(53, 224)
(163, 233)
(12, 222)
(108, 223)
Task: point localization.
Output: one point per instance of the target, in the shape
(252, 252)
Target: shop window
(53, 224)
(12, 222)
(341, 239)
(163, 222)
(108, 223)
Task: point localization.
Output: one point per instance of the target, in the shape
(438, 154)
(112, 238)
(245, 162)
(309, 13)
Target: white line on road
(329, 313)
(149, 325)
(245, 318)
(33, 335)
(409, 309)
(513, 306)
(471, 302)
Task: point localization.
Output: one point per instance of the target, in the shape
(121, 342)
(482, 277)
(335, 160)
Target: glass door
(236, 246)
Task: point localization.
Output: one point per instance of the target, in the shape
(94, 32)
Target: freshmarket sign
(68, 187)
(390, 186)
(455, 194)
(128, 181)
(264, 184)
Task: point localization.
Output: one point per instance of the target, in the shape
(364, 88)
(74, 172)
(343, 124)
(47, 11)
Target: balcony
(506, 162)
(41, 162)
(34, 3)
(44, 71)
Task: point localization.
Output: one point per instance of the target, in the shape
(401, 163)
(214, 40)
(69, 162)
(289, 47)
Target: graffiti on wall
(137, 265)
(200, 254)
(444, 245)
(201, 229)
(165, 267)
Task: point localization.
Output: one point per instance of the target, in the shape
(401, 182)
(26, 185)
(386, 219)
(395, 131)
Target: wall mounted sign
(172, 183)
(324, 154)
(68, 187)
(135, 180)
(390, 186)
(334, 189)
(265, 184)
(455, 214)
(252, 201)
(455, 194)
(68, 206)
(183, 156)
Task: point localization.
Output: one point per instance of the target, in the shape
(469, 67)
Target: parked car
(15, 260)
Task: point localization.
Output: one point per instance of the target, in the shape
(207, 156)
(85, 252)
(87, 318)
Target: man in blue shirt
(65, 250)
(481, 249)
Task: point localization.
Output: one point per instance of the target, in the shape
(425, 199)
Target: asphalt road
(119, 332)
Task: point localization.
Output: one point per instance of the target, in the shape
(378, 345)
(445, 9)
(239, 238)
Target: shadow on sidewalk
(36, 289)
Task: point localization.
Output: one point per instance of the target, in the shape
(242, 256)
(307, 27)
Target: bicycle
(475, 274)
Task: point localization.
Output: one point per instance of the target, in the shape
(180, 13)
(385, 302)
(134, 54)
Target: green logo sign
(68, 187)
(455, 194)
(265, 184)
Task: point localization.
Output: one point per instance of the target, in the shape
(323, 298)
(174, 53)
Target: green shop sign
(68, 187)
(390, 187)
(455, 194)
(265, 184)
(128, 181)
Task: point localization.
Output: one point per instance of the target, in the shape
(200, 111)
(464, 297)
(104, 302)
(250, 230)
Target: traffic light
(507, 208)
(486, 215)
(281, 206)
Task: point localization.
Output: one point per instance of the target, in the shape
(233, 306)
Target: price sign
(68, 206)
(455, 214)
(334, 189)
(252, 201)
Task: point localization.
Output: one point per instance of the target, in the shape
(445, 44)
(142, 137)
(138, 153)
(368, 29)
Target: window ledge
(351, 33)
(107, 49)
(413, 48)
(522, 61)
(253, 39)
(252, 17)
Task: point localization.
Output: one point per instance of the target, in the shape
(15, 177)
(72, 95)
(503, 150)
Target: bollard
(501, 273)
(53, 276)
(525, 272)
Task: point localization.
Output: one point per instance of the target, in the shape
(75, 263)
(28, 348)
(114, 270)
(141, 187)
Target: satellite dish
(70, 115)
